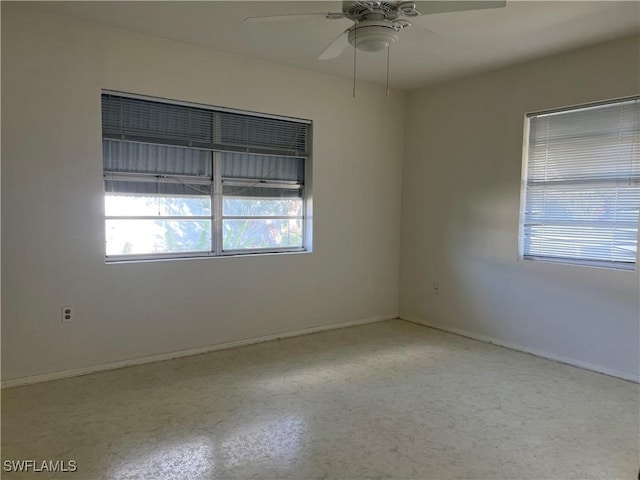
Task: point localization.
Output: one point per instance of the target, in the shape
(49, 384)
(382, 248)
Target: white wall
(461, 194)
(460, 206)
(53, 69)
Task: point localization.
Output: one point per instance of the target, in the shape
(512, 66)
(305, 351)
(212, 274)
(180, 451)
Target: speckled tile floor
(385, 400)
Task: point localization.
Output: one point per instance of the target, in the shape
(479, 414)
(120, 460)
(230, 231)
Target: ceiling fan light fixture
(373, 37)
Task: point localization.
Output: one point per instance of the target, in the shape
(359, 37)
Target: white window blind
(582, 185)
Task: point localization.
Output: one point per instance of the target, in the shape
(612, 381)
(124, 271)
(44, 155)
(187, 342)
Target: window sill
(619, 267)
(232, 254)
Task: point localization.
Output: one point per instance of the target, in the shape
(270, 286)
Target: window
(184, 181)
(581, 185)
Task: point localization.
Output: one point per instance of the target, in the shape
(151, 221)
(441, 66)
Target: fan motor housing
(373, 36)
(359, 9)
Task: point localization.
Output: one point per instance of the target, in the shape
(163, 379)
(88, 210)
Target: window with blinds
(184, 180)
(581, 185)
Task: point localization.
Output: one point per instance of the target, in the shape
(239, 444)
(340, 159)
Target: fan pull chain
(388, 49)
(355, 49)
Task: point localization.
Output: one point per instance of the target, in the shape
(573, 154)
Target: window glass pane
(262, 167)
(127, 237)
(582, 242)
(139, 205)
(133, 157)
(261, 233)
(261, 207)
(605, 204)
(144, 188)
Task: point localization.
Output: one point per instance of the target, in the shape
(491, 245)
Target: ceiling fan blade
(294, 16)
(431, 8)
(336, 47)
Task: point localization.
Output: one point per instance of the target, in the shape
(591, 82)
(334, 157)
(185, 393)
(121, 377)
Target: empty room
(320, 240)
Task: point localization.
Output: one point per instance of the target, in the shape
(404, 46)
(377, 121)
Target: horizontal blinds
(149, 121)
(135, 117)
(153, 147)
(583, 184)
(245, 130)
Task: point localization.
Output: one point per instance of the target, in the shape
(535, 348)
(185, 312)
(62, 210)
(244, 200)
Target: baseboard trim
(76, 372)
(522, 348)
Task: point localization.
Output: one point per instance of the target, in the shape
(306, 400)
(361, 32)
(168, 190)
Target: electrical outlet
(66, 314)
(436, 288)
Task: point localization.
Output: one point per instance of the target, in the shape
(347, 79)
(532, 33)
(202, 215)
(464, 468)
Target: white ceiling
(465, 41)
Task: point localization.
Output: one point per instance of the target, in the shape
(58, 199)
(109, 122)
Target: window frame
(216, 185)
(567, 261)
(279, 184)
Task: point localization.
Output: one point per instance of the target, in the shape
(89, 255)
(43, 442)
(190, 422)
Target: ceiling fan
(377, 23)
